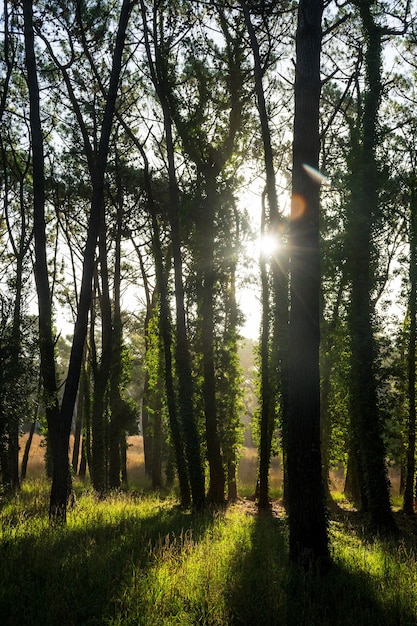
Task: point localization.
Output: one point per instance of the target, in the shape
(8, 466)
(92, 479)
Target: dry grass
(247, 473)
(136, 461)
(36, 463)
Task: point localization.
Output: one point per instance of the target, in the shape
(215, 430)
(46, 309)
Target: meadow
(136, 558)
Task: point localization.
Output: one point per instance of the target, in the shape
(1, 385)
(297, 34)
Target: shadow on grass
(83, 574)
(267, 590)
(74, 576)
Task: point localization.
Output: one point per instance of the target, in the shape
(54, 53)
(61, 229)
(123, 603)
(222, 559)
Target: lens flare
(317, 176)
(298, 206)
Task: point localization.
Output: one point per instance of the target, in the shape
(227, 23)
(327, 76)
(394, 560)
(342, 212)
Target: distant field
(36, 464)
(136, 468)
(246, 475)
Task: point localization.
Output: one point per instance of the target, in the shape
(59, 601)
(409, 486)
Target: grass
(141, 560)
(138, 559)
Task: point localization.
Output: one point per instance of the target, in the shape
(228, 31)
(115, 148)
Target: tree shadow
(272, 592)
(78, 576)
(74, 577)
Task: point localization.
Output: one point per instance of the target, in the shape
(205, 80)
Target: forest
(208, 232)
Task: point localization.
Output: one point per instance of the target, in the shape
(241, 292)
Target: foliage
(18, 373)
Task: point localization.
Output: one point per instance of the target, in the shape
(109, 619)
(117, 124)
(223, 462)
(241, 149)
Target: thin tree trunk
(146, 422)
(230, 396)
(46, 340)
(116, 406)
(278, 367)
(325, 425)
(326, 374)
(77, 434)
(409, 494)
(26, 452)
(165, 330)
(157, 444)
(29, 440)
(59, 422)
(214, 455)
(186, 413)
(266, 393)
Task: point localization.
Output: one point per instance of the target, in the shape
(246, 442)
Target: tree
(366, 427)
(410, 487)
(209, 146)
(273, 352)
(46, 339)
(307, 514)
(60, 419)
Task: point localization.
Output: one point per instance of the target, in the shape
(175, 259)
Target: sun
(268, 244)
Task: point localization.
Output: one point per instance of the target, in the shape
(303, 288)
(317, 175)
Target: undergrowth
(140, 559)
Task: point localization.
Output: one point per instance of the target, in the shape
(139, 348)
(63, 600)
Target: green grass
(137, 559)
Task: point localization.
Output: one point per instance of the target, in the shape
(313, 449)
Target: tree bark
(116, 430)
(307, 513)
(365, 416)
(46, 340)
(409, 493)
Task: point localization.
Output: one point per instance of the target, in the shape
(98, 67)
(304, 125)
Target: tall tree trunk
(146, 421)
(307, 513)
(231, 338)
(96, 211)
(59, 421)
(266, 390)
(214, 455)
(409, 493)
(278, 367)
(325, 425)
(164, 316)
(116, 408)
(365, 415)
(186, 411)
(182, 352)
(327, 361)
(14, 426)
(46, 340)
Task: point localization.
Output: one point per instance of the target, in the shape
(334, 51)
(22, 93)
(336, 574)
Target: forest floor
(136, 558)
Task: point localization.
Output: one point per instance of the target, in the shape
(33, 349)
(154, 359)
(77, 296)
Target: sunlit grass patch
(384, 573)
(189, 576)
